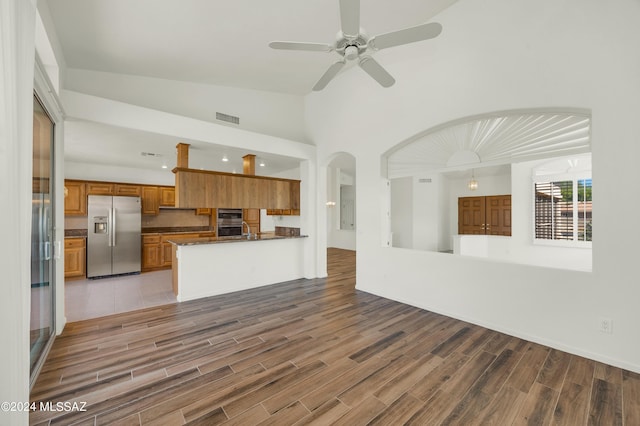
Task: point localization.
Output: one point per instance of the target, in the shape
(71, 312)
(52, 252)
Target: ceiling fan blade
(375, 70)
(408, 35)
(294, 45)
(350, 17)
(328, 75)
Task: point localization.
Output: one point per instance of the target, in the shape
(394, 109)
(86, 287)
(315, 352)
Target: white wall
(491, 56)
(89, 171)
(270, 113)
(402, 212)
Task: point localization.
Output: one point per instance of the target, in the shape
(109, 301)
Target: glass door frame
(49, 246)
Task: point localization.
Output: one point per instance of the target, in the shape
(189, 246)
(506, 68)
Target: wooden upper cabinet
(489, 215)
(167, 196)
(100, 188)
(126, 189)
(204, 188)
(75, 198)
(150, 200)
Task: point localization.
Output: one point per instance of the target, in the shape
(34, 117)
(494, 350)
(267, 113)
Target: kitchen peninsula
(205, 267)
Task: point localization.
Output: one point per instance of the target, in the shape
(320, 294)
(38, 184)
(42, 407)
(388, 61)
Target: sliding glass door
(42, 273)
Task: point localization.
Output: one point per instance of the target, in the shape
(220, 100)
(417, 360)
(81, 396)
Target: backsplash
(287, 231)
(167, 218)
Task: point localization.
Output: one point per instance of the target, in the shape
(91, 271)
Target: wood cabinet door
(100, 188)
(74, 257)
(75, 198)
(151, 256)
(167, 254)
(167, 196)
(498, 215)
(150, 201)
(471, 215)
(128, 190)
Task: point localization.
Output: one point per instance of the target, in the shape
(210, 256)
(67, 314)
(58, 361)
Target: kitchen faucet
(248, 229)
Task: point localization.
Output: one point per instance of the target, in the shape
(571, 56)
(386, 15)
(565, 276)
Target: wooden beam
(249, 164)
(183, 155)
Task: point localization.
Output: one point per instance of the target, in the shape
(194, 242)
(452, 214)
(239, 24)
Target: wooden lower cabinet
(157, 251)
(75, 264)
(151, 252)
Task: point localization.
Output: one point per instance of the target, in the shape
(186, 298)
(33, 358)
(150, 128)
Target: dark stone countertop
(176, 230)
(235, 239)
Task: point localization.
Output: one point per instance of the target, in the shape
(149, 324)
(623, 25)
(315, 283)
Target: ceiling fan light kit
(353, 44)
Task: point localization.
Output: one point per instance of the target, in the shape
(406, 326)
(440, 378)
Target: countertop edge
(223, 240)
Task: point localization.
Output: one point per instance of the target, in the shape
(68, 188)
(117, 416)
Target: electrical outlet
(605, 325)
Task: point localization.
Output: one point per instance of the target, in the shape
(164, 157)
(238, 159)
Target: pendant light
(473, 183)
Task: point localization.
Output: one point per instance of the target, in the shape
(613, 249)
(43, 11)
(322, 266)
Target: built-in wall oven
(229, 222)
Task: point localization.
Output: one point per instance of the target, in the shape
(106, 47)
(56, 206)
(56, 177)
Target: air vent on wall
(150, 154)
(424, 180)
(228, 118)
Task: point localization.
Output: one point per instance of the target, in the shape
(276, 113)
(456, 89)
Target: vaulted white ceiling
(218, 42)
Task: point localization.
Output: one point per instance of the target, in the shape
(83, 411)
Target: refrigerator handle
(113, 227)
(109, 228)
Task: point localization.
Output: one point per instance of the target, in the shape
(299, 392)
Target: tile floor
(86, 299)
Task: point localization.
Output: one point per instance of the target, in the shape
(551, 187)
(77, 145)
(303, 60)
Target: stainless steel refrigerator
(113, 235)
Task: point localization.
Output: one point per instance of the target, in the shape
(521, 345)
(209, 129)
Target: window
(563, 210)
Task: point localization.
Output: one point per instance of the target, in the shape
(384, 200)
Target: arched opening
(474, 187)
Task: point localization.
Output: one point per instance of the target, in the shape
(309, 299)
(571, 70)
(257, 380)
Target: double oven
(229, 222)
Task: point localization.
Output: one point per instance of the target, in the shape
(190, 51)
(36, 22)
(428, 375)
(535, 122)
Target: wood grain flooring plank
(326, 414)
(503, 408)
(538, 406)
(252, 416)
(554, 369)
(214, 417)
(279, 384)
(425, 388)
(448, 346)
(605, 404)
(287, 416)
(204, 404)
(177, 400)
(362, 413)
(528, 368)
(631, 396)
(279, 400)
(415, 371)
(367, 386)
(608, 373)
(572, 406)
(399, 411)
(581, 371)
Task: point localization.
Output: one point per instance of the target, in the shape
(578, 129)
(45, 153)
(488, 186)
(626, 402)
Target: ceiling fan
(352, 44)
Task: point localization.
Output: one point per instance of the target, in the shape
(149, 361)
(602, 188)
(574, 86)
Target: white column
(17, 29)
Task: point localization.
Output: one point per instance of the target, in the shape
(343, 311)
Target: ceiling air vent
(150, 154)
(424, 180)
(228, 118)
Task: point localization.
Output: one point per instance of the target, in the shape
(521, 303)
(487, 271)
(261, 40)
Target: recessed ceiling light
(225, 159)
(164, 166)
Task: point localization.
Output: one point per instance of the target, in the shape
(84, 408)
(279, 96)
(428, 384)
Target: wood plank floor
(318, 351)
